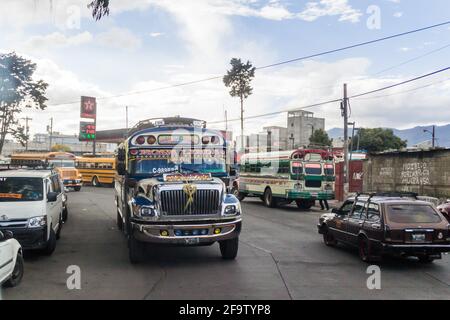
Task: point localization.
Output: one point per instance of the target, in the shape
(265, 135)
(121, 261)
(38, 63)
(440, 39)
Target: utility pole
(50, 132)
(242, 123)
(344, 109)
(353, 136)
(27, 131)
(434, 136)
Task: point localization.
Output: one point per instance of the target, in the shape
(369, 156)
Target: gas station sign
(87, 131)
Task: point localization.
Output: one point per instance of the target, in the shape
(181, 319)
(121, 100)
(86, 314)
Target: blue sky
(147, 44)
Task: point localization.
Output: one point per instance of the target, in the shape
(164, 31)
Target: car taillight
(140, 140)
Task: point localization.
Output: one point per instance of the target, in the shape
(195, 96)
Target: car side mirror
(52, 197)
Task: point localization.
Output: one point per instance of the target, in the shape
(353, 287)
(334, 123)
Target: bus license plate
(192, 241)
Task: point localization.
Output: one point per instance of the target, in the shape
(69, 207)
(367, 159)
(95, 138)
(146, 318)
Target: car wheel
(425, 259)
(60, 225)
(65, 214)
(17, 273)
(119, 221)
(136, 250)
(364, 249)
(329, 239)
(229, 248)
(51, 243)
(268, 199)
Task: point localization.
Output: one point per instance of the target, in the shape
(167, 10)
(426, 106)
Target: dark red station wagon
(388, 223)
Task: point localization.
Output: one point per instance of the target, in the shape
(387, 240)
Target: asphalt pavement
(281, 256)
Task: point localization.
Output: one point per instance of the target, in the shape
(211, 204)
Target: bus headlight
(147, 212)
(232, 209)
(37, 222)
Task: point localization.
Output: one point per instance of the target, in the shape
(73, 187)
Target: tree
(239, 79)
(18, 91)
(379, 139)
(100, 8)
(61, 148)
(320, 138)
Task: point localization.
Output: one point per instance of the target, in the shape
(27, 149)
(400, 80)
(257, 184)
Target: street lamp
(433, 135)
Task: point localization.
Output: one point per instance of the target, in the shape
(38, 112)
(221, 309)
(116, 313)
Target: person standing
(324, 204)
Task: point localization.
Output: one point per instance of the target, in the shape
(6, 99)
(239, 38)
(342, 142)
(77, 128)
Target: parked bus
(303, 176)
(97, 171)
(170, 188)
(63, 162)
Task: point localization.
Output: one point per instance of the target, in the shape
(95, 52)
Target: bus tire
(95, 182)
(119, 221)
(269, 200)
(304, 204)
(77, 188)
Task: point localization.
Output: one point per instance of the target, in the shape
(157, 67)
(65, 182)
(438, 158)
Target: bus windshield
(62, 163)
(161, 166)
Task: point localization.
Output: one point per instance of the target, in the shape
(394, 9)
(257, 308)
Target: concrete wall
(425, 172)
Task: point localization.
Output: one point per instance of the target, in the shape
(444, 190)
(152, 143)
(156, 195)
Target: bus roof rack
(166, 122)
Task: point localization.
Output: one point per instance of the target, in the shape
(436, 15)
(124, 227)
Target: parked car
(11, 260)
(31, 206)
(380, 224)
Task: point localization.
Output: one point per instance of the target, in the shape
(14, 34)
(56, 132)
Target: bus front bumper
(187, 234)
(307, 195)
(72, 183)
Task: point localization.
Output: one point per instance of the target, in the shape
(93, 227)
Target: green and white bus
(278, 178)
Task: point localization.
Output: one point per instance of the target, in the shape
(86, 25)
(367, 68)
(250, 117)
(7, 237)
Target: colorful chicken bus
(170, 188)
(303, 176)
(63, 162)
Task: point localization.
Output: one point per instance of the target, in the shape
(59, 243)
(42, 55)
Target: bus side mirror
(121, 170)
(131, 183)
(121, 155)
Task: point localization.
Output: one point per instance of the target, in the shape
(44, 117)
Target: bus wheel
(268, 199)
(95, 182)
(304, 204)
(77, 188)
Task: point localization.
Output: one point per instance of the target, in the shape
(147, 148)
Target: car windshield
(21, 189)
(62, 163)
(158, 167)
(412, 213)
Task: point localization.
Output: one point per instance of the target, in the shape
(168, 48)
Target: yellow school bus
(63, 162)
(96, 171)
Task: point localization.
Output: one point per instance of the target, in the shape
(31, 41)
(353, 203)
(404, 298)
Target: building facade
(300, 126)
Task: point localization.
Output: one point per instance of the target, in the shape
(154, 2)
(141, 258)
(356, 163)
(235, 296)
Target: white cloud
(119, 38)
(341, 8)
(156, 34)
(58, 39)
(398, 14)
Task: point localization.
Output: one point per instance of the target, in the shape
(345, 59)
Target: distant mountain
(413, 135)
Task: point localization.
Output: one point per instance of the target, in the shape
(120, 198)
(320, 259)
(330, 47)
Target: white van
(31, 206)
(11, 260)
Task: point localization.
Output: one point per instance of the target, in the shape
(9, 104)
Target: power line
(338, 100)
(403, 92)
(400, 83)
(270, 65)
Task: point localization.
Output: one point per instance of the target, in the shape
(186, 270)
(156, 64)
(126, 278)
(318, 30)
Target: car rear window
(412, 213)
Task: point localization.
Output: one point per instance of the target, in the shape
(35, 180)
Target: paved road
(281, 257)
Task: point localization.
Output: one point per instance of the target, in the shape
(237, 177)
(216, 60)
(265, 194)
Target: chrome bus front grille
(176, 202)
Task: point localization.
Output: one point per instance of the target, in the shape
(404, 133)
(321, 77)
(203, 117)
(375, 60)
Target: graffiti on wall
(415, 173)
